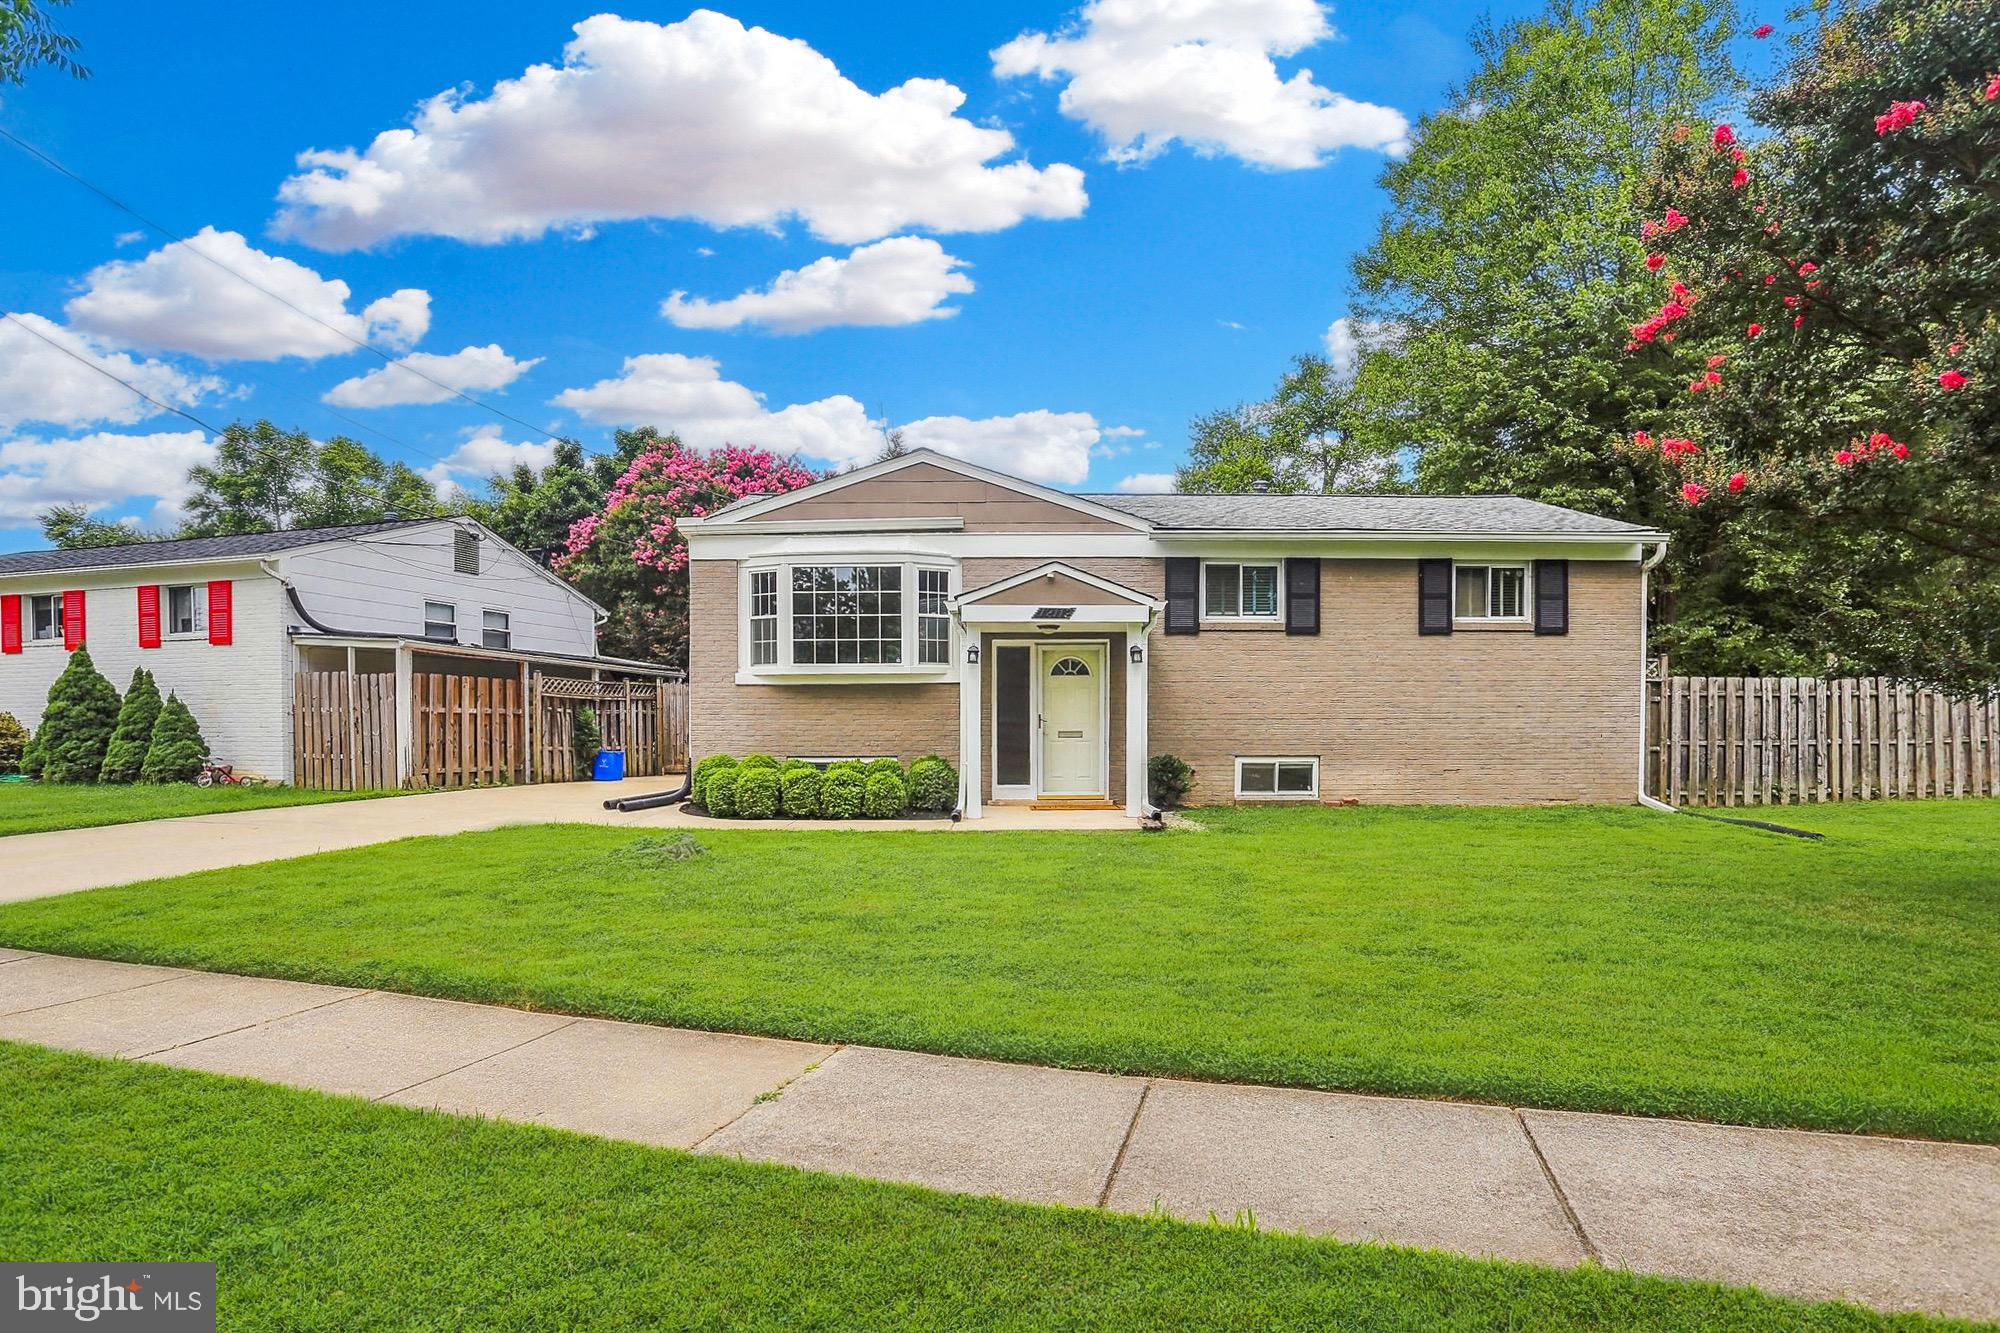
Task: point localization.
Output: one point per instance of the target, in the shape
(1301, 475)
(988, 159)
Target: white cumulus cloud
(486, 453)
(176, 300)
(427, 377)
(1146, 483)
(1347, 338)
(703, 119)
(903, 280)
(41, 383)
(1144, 73)
(1041, 445)
(99, 471)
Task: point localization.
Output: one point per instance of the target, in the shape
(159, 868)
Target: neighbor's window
(440, 621)
(763, 617)
(495, 629)
(1492, 592)
(1277, 779)
(933, 616)
(847, 614)
(187, 608)
(45, 616)
(1239, 592)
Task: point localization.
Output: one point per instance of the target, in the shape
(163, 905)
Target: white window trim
(1527, 568)
(1243, 759)
(28, 637)
(485, 629)
(784, 670)
(200, 593)
(426, 622)
(1277, 611)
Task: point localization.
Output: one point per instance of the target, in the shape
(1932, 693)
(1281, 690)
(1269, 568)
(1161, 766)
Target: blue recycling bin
(610, 766)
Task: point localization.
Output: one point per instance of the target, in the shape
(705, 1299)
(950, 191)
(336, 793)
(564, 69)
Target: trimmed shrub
(586, 738)
(893, 767)
(177, 749)
(933, 784)
(759, 761)
(77, 725)
(791, 766)
(707, 768)
(13, 742)
(1168, 780)
(718, 795)
(884, 796)
(801, 793)
(756, 792)
(841, 793)
(31, 756)
(133, 736)
(845, 766)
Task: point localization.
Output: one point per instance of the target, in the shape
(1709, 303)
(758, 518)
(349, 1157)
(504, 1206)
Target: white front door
(1072, 720)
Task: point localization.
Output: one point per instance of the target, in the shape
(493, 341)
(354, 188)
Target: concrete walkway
(41, 865)
(1897, 1224)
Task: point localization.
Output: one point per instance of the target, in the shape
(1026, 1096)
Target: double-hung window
(441, 621)
(856, 615)
(496, 629)
(1491, 592)
(763, 617)
(45, 616)
(1239, 591)
(933, 617)
(187, 608)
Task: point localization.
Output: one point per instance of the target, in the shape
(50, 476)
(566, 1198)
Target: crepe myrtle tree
(629, 555)
(1829, 295)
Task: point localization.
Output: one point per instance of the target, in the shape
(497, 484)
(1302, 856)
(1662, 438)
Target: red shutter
(73, 619)
(149, 615)
(10, 623)
(221, 617)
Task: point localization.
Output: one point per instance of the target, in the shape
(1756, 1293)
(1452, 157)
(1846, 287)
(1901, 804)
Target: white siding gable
(378, 584)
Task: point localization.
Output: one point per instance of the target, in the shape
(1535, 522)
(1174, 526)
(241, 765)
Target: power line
(79, 357)
(176, 239)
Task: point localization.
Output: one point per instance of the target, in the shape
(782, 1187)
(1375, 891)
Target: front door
(1072, 722)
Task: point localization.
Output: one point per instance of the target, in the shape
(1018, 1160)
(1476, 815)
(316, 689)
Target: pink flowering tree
(1828, 294)
(629, 555)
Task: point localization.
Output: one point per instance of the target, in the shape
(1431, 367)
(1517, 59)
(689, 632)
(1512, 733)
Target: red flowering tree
(1829, 294)
(628, 553)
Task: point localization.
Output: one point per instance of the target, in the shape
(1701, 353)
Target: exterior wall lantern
(972, 654)
(1138, 654)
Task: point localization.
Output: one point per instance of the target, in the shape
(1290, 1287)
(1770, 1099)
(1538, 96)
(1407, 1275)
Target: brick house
(1289, 647)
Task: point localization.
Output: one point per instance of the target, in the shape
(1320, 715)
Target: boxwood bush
(933, 784)
(756, 792)
(801, 793)
(884, 796)
(718, 794)
(791, 766)
(841, 793)
(845, 766)
(893, 767)
(703, 771)
(758, 761)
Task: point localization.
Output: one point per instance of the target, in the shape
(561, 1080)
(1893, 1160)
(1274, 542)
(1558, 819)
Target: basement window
(1277, 779)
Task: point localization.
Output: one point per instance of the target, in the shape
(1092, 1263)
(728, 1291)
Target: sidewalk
(1897, 1224)
(41, 865)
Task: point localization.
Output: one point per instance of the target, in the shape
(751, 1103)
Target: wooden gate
(646, 719)
(466, 730)
(344, 730)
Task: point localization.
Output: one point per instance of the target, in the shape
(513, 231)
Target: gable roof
(1065, 570)
(1439, 515)
(244, 546)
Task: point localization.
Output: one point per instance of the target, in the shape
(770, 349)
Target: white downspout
(1646, 568)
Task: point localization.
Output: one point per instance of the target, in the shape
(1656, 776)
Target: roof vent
(1260, 486)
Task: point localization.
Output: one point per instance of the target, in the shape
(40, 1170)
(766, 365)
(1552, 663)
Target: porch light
(1138, 654)
(972, 654)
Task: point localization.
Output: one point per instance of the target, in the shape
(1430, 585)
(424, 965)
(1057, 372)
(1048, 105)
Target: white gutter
(1646, 568)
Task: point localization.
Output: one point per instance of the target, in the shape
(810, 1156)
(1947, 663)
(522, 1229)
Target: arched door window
(1070, 666)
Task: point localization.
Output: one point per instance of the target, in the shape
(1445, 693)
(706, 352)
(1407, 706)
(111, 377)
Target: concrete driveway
(41, 865)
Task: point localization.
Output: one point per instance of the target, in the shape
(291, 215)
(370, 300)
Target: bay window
(853, 615)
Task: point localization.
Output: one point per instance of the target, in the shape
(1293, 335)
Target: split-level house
(1398, 648)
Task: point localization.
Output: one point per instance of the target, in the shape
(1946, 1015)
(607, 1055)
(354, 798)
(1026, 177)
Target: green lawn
(333, 1213)
(1594, 958)
(37, 807)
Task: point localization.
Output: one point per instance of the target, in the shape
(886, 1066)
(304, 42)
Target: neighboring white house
(227, 622)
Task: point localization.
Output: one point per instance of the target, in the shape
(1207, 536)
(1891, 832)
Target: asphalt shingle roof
(1456, 514)
(192, 548)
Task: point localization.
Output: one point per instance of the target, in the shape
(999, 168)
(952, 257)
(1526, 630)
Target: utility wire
(175, 238)
(109, 374)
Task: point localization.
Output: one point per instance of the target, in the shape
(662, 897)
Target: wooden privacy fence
(645, 719)
(466, 729)
(1784, 740)
(344, 730)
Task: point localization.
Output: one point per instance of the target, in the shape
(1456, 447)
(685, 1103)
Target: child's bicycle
(213, 774)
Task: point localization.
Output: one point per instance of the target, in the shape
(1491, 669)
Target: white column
(970, 767)
(406, 727)
(1135, 722)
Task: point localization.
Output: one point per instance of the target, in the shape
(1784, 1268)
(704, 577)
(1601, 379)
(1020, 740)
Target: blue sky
(1153, 210)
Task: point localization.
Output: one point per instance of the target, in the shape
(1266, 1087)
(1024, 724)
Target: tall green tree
(1304, 437)
(535, 509)
(70, 527)
(264, 478)
(29, 37)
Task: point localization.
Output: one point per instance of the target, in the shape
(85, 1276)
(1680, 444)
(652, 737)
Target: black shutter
(1183, 594)
(1433, 596)
(1302, 595)
(1552, 597)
